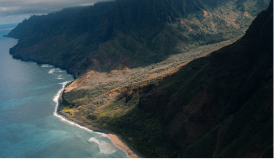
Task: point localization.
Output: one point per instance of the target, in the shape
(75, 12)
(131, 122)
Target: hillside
(129, 33)
(175, 78)
(219, 105)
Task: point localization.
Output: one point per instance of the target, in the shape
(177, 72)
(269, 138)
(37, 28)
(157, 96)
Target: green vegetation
(220, 105)
(111, 35)
(216, 106)
(68, 110)
(92, 117)
(144, 131)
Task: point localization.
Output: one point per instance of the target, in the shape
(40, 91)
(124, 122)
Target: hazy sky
(14, 11)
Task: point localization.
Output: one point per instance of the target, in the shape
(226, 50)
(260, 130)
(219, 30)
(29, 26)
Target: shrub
(92, 117)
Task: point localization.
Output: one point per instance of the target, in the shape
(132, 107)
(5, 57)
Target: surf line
(56, 100)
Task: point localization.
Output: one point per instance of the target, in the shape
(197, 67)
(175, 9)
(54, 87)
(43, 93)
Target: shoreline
(116, 139)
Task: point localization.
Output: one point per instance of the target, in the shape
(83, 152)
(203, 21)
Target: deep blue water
(28, 126)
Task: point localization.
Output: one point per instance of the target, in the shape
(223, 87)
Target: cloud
(16, 7)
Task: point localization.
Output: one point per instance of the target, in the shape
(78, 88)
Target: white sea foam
(59, 77)
(55, 99)
(55, 70)
(105, 148)
(51, 71)
(93, 140)
(58, 70)
(46, 65)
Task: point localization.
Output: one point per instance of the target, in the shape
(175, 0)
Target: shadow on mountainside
(220, 105)
(127, 33)
(216, 106)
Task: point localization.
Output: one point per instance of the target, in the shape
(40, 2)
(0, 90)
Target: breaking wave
(46, 65)
(56, 100)
(93, 140)
(104, 147)
(59, 77)
(55, 70)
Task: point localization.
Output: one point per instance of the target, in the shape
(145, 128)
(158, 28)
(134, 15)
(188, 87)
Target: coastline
(116, 139)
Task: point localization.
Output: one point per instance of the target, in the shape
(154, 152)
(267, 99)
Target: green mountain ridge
(219, 105)
(127, 33)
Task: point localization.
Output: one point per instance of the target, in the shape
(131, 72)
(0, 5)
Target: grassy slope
(216, 106)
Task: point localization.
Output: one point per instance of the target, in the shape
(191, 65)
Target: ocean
(29, 127)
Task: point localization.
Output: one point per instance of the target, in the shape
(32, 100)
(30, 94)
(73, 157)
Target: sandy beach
(116, 139)
(119, 142)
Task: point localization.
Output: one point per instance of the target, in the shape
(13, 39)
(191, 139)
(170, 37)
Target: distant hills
(219, 105)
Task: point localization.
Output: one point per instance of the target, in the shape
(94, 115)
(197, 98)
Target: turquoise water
(28, 126)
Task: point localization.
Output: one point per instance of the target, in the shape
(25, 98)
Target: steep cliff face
(221, 105)
(128, 33)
